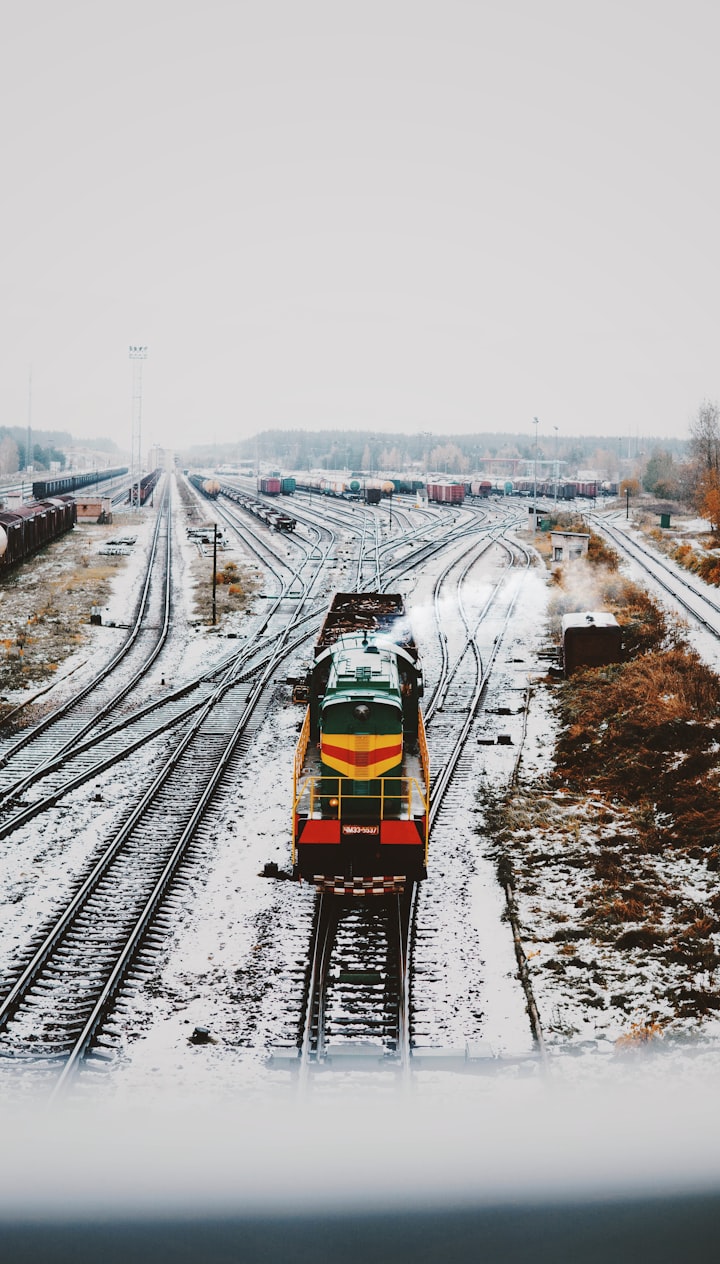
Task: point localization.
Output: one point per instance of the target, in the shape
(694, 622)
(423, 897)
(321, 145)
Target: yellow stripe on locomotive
(361, 756)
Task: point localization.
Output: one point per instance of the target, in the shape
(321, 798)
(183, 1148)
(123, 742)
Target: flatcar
(29, 527)
(361, 771)
(68, 483)
(277, 519)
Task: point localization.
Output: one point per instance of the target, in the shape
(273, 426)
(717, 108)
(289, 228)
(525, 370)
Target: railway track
(701, 606)
(81, 760)
(55, 1003)
(23, 757)
(356, 995)
(361, 994)
(125, 886)
(52, 1011)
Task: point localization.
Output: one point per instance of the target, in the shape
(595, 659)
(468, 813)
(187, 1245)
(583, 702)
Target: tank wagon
(324, 486)
(446, 493)
(590, 639)
(407, 486)
(562, 490)
(361, 772)
(479, 487)
(209, 487)
(69, 483)
(29, 527)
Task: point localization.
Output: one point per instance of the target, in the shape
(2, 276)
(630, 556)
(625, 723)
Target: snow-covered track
(69, 723)
(690, 592)
(53, 1010)
(356, 990)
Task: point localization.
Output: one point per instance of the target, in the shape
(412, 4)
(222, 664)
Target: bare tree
(705, 437)
(9, 457)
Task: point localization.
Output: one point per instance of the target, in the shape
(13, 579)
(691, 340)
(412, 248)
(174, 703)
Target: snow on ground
(234, 964)
(706, 644)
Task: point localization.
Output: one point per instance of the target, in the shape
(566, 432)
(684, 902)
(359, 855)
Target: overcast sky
(394, 214)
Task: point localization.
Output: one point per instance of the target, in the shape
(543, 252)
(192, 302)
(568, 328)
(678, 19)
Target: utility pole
(28, 453)
(536, 424)
(214, 584)
(137, 355)
(557, 464)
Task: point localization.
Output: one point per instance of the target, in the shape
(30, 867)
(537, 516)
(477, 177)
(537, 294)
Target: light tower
(536, 424)
(28, 445)
(137, 355)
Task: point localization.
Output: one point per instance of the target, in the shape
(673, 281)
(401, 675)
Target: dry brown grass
(45, 605)
(636, 786)
(649, 729)
(702, 556)
(639, 1035)
(233, 589)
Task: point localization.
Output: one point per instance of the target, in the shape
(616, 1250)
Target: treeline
(13, 450)
(692, 479)
(453, 454)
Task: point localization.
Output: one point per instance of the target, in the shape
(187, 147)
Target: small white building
(568, 546)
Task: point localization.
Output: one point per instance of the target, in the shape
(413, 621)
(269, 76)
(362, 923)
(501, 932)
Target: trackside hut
(568, 546)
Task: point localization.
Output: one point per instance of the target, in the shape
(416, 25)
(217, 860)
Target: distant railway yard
(248, 839)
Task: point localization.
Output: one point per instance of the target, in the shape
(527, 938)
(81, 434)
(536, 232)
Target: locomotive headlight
(361, 711)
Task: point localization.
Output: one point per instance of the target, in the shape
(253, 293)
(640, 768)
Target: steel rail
(649, 560)
(59, 712)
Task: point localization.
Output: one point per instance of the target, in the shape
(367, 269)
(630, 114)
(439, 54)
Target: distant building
(159, 458)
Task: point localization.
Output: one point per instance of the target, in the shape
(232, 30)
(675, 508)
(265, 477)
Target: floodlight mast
(536, 424)
(137, 355)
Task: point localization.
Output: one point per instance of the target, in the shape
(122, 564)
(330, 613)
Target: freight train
(28, 528)
(361, 772)
(277, 519)
(72, 482)
(148, 483)
(276, 485)
(356, 487)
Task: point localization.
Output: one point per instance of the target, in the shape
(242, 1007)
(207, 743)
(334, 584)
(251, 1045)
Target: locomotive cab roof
(360, 642)
(363, 669)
